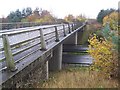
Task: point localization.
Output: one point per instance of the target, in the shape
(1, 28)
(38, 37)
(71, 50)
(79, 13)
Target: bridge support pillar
(47, 70)
(56, 61)
(76, 39)
(72, 40)
(80, 36)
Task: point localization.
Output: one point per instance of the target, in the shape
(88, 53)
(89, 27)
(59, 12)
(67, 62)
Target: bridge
(24, 50)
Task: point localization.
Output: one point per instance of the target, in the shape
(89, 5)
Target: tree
(18, 15)
(81, 18)
(46, 16)
(69, 18)
(112, 18)
(34, 16)
(110, 30)
(26, 12)
(15, 16)
(11, 17)
(103, 13)
(45, 13)
(36, 13)
(27, 15)
(42, 16)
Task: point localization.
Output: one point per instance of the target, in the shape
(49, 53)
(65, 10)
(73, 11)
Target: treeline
(104, 13)
(39, 15)
(109, 16)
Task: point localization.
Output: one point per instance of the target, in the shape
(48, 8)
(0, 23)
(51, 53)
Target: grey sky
(59, 8)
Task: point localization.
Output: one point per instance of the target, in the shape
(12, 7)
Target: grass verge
(77, 77)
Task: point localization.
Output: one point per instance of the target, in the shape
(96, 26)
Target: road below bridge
(76, 54)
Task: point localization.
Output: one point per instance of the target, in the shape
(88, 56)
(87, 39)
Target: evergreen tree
(103, 13)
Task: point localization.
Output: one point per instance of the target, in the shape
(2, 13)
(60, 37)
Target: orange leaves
(42, 17)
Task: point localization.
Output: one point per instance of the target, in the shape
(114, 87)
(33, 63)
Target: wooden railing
(19, 44)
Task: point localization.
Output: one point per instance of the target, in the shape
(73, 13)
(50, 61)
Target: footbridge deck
(21, 50)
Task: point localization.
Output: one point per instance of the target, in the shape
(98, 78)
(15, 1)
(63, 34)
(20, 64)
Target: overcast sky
(60, 8)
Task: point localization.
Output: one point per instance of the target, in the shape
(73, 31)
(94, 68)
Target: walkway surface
(76, 54)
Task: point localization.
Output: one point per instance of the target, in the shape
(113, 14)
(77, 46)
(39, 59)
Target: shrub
(104, 60)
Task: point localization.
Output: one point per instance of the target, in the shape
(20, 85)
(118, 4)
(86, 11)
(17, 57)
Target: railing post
(43, 44)
(75, 26)
(72, 27)
(64, 30)
(69, 28)
(56, 34)
(8, 54)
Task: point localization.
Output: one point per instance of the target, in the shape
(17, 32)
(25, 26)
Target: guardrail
(19, 44)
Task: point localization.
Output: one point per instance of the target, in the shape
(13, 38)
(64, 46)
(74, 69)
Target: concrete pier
(55, 63)
(72, 40)
(80, 35)
(76, 39)
(47, 70)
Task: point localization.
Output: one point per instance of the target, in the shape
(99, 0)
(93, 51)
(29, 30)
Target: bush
(104, 57)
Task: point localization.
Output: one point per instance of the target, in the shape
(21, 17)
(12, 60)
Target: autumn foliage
(71, 18)
(112, 19)
(104, 49)
(104, 60)
(41, 17)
